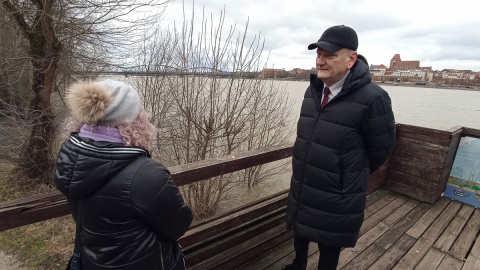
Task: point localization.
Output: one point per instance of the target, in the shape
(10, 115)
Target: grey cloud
(384, 29)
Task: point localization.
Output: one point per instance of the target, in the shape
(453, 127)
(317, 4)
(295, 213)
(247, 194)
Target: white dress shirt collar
(336, 87)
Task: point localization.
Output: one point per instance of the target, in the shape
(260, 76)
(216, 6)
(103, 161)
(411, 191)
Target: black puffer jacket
(336, 149)
(133, 212)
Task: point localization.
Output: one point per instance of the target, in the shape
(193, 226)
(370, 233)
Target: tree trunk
(37, 157)
(45, 50)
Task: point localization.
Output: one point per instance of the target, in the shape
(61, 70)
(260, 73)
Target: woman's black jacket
(132, 211)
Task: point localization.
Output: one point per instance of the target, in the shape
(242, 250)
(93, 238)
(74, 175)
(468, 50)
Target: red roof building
(396, 63)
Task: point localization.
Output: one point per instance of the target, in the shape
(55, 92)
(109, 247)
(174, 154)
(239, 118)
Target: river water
(436, 108)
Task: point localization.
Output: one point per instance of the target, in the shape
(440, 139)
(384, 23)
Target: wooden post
(422, 161)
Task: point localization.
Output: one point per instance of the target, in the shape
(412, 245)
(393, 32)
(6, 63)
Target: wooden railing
(46, 206)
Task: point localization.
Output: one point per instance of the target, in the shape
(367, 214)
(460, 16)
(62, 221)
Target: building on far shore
(410, 69)
(378, 70)
(296, 73)
(396, 63)
(273, 73)
(456, 74)
(456, 77)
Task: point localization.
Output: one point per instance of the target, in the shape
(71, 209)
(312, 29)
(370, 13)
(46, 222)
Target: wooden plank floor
(402, 233)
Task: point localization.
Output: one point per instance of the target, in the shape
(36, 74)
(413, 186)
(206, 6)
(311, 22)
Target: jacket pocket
(342, 176)
(171, 255)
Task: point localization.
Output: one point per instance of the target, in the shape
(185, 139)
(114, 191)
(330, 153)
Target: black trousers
(328, 259)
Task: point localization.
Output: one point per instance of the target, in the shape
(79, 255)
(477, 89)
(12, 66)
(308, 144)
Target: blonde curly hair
(140, 133)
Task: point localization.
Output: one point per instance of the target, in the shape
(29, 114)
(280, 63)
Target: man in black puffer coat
(345, 132)
(129, 212)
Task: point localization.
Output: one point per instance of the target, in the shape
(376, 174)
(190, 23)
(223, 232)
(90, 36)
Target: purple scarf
(101, 133)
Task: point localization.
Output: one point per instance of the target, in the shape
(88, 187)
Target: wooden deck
(402, 233)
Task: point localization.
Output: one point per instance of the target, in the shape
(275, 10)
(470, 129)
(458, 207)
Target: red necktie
(326, 92)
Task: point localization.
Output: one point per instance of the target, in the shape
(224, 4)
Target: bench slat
(209, 249)
(233, 219)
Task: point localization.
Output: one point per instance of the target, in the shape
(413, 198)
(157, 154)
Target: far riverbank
(403, 84)
(432, 85)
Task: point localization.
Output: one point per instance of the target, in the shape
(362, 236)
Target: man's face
(332, 66)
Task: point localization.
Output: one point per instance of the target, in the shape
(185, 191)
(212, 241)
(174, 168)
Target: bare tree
(78, 33)
(203, 88)
(15, 80)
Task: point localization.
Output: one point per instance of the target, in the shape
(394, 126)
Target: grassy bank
(43, 245)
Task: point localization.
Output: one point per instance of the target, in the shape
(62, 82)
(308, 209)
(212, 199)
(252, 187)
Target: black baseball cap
(335, 38)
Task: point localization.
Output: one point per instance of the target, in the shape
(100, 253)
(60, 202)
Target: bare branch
(213, 105)
(17, 16)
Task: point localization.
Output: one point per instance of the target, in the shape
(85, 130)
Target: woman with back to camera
(129, 212)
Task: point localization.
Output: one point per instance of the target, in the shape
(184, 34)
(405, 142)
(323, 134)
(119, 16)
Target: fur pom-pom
(87, 101)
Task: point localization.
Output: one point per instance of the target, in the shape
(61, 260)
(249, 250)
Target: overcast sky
(441, 34)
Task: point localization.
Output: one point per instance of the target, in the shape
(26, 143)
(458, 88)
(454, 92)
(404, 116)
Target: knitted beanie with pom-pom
(107, 101)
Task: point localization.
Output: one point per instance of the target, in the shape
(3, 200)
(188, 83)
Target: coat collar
(358, 77)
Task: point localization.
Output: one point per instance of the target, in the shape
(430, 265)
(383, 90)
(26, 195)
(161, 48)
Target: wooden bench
(237, 237)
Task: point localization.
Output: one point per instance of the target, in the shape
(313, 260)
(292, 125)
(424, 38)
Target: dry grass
(7, 190)
(43, 245)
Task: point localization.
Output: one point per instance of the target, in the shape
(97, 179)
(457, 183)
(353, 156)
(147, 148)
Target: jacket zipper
(304, 163)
